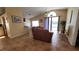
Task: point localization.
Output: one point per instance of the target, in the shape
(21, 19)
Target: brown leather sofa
(41, 34)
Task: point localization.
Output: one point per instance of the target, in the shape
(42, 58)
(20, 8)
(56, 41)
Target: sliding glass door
(53, 24)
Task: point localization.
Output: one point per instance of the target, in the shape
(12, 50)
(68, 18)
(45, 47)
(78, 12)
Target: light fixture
(29, 14)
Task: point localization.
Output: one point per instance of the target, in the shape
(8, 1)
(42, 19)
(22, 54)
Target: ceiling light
(29, 14)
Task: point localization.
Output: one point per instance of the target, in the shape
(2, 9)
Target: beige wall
(0, 21)
(15, 29)
(61, 13)
(1, 31)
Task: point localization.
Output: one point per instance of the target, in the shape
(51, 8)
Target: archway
(53, 22)
(51, 14)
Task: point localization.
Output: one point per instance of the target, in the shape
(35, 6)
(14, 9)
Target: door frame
(4, 26)
(51, 22)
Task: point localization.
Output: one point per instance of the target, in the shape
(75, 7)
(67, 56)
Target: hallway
(26, 43)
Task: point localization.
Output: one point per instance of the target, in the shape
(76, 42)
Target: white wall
(73, 25)
(68, 18)
(27, 23)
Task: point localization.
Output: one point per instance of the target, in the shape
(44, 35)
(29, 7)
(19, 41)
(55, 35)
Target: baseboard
(16, 35)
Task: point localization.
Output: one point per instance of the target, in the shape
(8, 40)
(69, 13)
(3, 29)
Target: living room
(33, 28)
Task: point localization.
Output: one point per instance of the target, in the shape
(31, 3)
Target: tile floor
(27, 43)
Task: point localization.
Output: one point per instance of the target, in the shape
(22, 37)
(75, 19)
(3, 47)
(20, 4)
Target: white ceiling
(29, 12)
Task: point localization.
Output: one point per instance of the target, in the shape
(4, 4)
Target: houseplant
(63, 23)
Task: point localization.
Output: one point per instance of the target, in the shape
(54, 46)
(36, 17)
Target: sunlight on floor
(2, 37)
(55, 38)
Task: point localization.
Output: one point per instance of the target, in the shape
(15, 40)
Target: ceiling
(29, 12)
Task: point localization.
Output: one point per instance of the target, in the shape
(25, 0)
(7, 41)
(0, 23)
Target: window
(35, 23)
(53, 22)
(51, 14)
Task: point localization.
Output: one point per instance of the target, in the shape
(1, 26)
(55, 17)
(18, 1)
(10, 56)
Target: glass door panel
(53, 24)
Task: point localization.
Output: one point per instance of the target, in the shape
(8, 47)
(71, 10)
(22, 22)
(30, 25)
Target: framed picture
(16, 19)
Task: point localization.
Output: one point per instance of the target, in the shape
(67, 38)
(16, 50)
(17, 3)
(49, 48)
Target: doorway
(53, 24)
(3, 30)
(53, 21)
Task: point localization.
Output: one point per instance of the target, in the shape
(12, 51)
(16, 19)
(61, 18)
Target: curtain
(46, 23)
